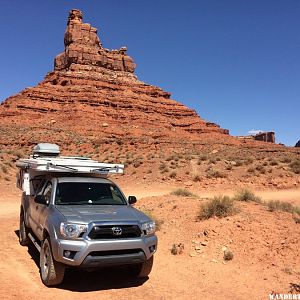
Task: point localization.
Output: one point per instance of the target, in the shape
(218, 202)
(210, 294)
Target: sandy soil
(265, 246)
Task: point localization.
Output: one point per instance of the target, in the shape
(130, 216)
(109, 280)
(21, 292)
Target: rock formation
(93, 92)
(268, 137)
(82, 46)
(297, 144)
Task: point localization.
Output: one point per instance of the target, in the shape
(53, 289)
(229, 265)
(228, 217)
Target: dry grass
(182, 193)
(246, 196)
(295, 166)
(221, 206)
(275, 205)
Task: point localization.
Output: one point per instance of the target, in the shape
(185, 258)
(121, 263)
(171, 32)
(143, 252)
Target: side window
(48, 191)
(38, 185)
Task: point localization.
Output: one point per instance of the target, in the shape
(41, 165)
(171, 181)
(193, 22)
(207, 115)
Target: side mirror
(132, 200)
(40, 199)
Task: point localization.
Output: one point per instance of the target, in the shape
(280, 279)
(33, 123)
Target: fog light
(69, 254)
(152, 248)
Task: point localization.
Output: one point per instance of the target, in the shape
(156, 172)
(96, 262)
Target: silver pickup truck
(82, 221)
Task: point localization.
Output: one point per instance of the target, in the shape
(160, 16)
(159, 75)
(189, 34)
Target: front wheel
(144, 269)
(52, 272)
(23, 232)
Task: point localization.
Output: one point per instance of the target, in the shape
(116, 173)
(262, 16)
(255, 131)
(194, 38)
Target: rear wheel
(23, 232)
(52, 272)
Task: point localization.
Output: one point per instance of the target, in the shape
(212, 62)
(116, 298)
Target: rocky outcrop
(268, 137)
(297, 144)
(91, 86)
(82, 46)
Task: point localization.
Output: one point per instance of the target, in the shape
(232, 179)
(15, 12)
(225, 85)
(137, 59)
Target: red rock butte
(93, 91)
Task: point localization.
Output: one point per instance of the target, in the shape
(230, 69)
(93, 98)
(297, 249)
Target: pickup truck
(78, 220)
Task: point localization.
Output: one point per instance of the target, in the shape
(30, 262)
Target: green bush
(182, 193)
(246, 196)
(221, 206)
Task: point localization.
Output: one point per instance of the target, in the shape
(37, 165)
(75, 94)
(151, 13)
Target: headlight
(72, 231)
(149, 227)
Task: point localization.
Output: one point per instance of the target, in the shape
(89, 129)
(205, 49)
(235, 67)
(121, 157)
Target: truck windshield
(88, 193)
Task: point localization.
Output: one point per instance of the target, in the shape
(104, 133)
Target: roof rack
(45, 163)
(69, 165)
(46, 159)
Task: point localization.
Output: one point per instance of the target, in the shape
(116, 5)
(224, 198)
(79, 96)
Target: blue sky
(236, 62)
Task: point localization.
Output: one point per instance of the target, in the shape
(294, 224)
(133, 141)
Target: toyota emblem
(116, 230)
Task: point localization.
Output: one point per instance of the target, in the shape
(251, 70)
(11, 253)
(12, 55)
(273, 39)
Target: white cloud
(255, 131)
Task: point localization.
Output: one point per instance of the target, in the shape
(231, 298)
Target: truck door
(42, 209)
(33, 206)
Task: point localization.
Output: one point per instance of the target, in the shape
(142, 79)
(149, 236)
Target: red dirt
(265, 246)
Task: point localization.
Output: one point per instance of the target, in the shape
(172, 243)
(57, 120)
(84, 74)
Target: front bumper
(97, 253)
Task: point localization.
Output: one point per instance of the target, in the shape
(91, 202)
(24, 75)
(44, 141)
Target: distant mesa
(264, 136)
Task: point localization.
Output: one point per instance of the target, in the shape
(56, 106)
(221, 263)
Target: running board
(35, 243)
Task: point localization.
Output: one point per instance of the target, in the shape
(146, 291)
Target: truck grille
(115, 232)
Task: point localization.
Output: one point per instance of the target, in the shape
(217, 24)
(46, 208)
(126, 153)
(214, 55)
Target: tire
(144, 269)
(23, 232)
(52, 272)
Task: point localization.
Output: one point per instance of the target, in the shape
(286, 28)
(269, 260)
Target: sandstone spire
(83, 47)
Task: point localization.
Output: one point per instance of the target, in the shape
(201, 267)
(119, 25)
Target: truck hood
(101, 213)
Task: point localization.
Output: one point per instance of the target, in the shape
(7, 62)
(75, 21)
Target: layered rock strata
(94, 91)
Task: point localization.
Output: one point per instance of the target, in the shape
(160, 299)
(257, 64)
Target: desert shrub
(261, 169)
(163, 168)
(4, 169)
(19, 154)
(246, 196)
(273, 162)
(251, 170)
(296, 219)
(212, 161)
(182, 193)
(203, 157)
(196, 178)
(173, 174)
(239, 163)
(211, 173)
(295, 166)
(221, 206)
(248, 161)
(275, 205)
(286, 160)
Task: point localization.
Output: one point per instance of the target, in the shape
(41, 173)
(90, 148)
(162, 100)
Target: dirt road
(266, 257)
